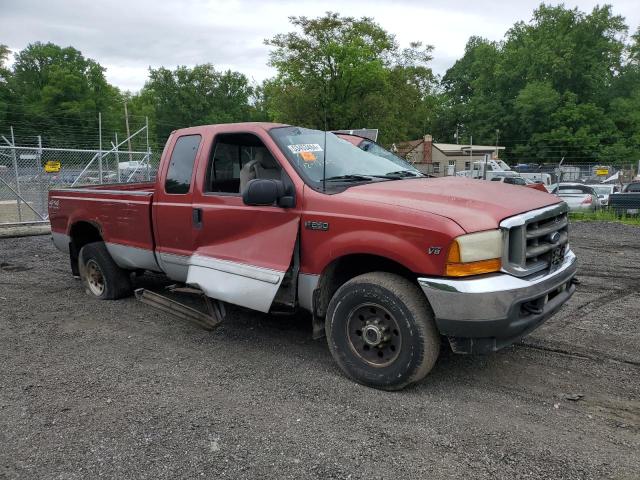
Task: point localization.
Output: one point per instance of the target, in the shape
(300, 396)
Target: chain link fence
(27, 174)
(609, 191)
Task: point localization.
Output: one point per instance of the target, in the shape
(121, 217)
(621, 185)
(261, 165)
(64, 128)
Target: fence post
(146, 123)
(15, 167)
(44, 183)
(100, 146)
(117, 158)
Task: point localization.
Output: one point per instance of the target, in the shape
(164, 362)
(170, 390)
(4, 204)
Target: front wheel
(381, 332)
(101, 276)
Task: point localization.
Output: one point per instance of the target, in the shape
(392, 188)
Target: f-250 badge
(316, 225)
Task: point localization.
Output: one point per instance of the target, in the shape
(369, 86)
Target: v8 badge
(434, 250)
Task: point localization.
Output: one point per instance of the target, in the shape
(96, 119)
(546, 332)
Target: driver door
(242, 252)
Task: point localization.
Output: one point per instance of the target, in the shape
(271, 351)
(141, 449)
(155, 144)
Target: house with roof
(441, 159)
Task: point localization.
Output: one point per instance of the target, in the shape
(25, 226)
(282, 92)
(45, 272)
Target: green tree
(342, 72)
(470, 104)
(192, 96)
(624, 105)
(57, 93)
(5, 73)
(552, 87)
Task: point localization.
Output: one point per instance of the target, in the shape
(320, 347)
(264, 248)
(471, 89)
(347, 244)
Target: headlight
(474, 254)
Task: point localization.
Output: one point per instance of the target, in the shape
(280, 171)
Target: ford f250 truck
(276, 217)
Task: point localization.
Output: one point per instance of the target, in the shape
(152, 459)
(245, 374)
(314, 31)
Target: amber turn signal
(454, 253)
(473, 268)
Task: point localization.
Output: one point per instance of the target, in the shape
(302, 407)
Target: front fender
(420, 250)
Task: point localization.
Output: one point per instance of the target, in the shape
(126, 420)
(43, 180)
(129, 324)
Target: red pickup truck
(274, 217)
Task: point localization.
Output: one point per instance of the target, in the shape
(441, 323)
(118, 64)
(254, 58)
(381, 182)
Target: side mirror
(266, 192)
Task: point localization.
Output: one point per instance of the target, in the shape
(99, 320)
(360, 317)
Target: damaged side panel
(244, 285)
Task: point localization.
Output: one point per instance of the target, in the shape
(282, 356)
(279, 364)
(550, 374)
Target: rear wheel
(381, 332)
(101, 276)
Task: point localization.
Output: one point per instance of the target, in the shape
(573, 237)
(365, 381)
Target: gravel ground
(117, 390)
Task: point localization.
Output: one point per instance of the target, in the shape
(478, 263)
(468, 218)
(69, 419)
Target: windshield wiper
(399, 174)
(349, 178)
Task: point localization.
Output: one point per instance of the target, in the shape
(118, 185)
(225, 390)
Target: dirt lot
(114, 389)
(9, 212)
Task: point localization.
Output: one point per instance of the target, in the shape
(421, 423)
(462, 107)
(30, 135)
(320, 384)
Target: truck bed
(123, 211)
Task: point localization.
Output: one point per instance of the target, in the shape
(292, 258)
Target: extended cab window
(237, 158)
(181, 164)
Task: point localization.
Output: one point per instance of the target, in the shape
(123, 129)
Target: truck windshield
(306, 149)
(375, 149)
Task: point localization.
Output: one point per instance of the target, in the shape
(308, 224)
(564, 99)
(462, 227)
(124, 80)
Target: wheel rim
(374, 334)
(95, 279)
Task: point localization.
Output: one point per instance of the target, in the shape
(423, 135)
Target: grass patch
(605, 216)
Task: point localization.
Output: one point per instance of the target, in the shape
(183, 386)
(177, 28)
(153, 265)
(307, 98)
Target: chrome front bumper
(492, 311)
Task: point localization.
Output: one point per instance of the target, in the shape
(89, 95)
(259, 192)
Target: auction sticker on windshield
(305, 147)
(308, 156)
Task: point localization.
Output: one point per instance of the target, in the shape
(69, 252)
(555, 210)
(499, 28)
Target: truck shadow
(284, 334)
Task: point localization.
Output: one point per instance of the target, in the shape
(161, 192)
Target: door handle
(196, 217)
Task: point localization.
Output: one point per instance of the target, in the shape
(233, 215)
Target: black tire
(97, 269)
(391, 309)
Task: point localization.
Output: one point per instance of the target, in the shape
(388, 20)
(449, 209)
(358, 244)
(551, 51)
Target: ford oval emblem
(554, 237)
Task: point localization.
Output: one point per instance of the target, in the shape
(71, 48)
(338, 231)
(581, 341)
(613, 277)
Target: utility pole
(497, 137)
(126, 121)
(457, 133)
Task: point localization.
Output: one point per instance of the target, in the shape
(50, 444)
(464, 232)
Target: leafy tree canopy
(344, 72)
(560, 85)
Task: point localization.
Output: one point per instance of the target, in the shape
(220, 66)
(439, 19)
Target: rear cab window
(181, 163)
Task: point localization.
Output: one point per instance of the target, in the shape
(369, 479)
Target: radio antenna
(324, 156)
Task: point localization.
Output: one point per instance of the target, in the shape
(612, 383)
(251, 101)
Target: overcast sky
(128, 36)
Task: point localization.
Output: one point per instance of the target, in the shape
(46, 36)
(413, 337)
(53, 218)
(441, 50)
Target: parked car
(578, 196)
(539, 177)
(627, 202)
(603, 191)
(274, 217)
(516, 180)
(633, 187)
(511, 180)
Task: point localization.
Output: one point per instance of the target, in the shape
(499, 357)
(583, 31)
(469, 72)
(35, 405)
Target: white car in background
(603, 191)
(578, 196)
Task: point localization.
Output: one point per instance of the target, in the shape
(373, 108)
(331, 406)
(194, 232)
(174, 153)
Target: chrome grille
(535, 241)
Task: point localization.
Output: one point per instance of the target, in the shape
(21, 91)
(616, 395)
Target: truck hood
(475, 205)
